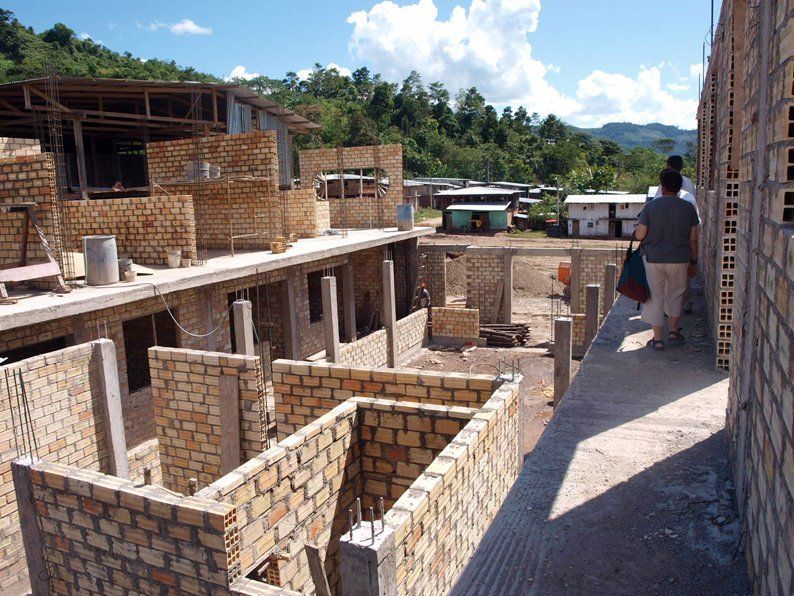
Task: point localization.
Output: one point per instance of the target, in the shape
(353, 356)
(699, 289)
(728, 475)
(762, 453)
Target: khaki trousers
(668, 283)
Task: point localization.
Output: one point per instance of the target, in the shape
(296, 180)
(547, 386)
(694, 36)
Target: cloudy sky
(589, 62)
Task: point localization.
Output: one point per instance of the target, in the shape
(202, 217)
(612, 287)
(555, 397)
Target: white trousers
(668, 284)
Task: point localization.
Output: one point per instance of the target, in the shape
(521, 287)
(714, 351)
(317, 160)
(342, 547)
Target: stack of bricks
(12, 147)
(103, 535)
(254, 203)
(400, 441)
(300, 208)
(440, 520)
(485, 270)
(355, 212)
(67, 429)
(303, 392)
(28, 179)
(456, 323)
(746, 132)
(295, 493)
(145, 227)
(186, 391)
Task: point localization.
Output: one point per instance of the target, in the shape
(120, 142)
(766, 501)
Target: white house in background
(603, 215)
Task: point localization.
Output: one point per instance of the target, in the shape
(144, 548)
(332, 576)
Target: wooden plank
(29, 272)
(82, 177)
(500, 288)
(49, 100)
(230, 422)
(317, 571)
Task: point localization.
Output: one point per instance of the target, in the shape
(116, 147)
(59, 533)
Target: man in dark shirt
(668, 231)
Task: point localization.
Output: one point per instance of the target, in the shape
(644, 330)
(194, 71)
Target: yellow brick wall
(462, 323)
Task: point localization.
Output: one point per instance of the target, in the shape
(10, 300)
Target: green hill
(629, 135)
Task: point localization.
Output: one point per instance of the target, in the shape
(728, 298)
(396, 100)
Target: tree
(664, 146)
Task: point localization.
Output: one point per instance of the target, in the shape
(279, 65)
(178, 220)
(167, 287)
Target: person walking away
(668, 230)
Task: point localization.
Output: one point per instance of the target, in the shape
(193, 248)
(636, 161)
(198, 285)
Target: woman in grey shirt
(669, 234)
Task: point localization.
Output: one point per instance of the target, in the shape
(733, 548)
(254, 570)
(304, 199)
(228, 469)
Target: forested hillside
(442, 134)
(658, 136)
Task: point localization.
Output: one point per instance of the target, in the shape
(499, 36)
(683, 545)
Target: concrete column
(31, 536)
(292, 348)
(330, 319)
(243, 327)
(413, 270)
(610, 280)
(104, 351)
(367, 567)
(507, 294)
(229, 406)
(205, 296)
(563, 352)
(349, 301)
(389, 313)
(592, 292)
(576, 282)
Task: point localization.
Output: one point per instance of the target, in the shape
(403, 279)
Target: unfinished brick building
(746, 197)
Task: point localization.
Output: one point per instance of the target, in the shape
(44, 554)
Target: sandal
(656, 344)
(676, 336)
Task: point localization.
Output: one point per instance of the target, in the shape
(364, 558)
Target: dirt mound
(456, 277)
(532, 277)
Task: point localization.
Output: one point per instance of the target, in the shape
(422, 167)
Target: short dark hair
(671, 180)
(675, 162)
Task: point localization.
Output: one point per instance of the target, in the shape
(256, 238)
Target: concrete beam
(389, 313)
(592, 293)
(563, 344)
(610, 281)
(349, 301)
(28, 521)
(292, 348)
(229, 405)
(243, 327)
(330, 318)
(104, 351)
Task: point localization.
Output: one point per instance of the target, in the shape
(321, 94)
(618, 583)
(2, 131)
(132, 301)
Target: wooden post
(563, 342)
(80, 153)
(330, 319)
(104, 351)
(610, 276)
(229, 402)
(389, 313)
(243, 327)
(592, 292)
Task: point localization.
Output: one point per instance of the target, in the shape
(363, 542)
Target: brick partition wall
(13, 147)
(145, 227)
(304, 392)
(590, 270)
(484, 270)
(358, 212)
(323, 216)
(411, 333)
(186, 392)
(295, 493)
(458, 323)
(142, 457)
(438, 522)
(67, 423)
(251, 160)
(433, 271)
(105, 535)
(370, 350)
(300, 208)
(746, 193)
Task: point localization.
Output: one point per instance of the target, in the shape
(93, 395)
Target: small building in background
(478, 208)
(603, 215)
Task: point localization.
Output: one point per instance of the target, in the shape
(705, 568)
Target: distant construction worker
(426, 302)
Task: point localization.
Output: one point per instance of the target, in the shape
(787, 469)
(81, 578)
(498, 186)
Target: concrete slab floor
(628, 490)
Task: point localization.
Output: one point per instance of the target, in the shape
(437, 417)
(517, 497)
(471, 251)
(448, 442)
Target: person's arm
(640, 232)
(693, 247)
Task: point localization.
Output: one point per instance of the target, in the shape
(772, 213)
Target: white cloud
(240, 72)
(85, 36)
(183, 27)
(304, 73)
(695, 70)
(487, 45)
(678, 87)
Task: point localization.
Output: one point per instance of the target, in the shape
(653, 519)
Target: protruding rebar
(358, 511)
(350, 520)
(382, 516)
(372, 517)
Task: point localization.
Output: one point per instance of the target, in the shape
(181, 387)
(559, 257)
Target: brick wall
(485, 270)
(590, 270)
(300, 208)
(411, 333)
(104, 535)
(251, 160)
(145, 227)
(370, 350)
(27, 179)
(433, 271)
(746, 133)
(323, 216)
(358, 213)
(303, 391)
(186, 394)
(11, 147)
(439, 521)
(460, 323)
(67, 423)
(368, 280)
(143, 457)
(295, 493)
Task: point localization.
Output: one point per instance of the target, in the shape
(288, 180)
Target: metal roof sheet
(478, 207)
(604, 199)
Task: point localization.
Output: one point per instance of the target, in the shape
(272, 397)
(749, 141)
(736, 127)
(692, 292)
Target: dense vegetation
(464, 137)
(629, 135)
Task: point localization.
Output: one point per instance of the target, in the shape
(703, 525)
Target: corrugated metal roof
(604, 199)
(476, 191)
(530, 201)
(478, 207)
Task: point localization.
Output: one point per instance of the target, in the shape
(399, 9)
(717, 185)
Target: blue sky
(590, 62)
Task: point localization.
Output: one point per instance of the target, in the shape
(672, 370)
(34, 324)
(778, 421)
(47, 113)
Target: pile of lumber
(505, 335)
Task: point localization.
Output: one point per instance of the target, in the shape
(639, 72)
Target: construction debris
(505, 335)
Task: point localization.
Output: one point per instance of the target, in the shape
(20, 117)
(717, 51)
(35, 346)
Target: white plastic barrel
(405, 217)
(101, 260)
